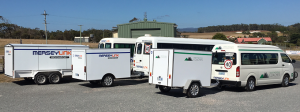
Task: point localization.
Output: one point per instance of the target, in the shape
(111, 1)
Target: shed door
(138, 33)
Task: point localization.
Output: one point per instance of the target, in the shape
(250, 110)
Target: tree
(258, 34)
(294, 38)
(219, 36)
(274, 36)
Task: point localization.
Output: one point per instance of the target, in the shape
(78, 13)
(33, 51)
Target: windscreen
(220, 58)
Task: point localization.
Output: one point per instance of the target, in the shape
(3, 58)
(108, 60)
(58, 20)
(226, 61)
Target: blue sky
(105, 14)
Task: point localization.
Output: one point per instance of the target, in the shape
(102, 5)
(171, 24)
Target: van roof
(43, 45)
(251, 46)
(182, 40)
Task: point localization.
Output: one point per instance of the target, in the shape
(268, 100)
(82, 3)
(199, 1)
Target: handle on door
(140, 60)
(282, 64)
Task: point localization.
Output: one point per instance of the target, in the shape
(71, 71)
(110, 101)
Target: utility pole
(103, 34)
(45, 14)
(80, 33)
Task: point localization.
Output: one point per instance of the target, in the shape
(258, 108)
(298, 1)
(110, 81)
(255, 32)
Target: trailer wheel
(40, 79)
(194, 90)
(54, 78)
(285, 81)
(95, 82)
(107, 81)
(164, 89)
(250, 86)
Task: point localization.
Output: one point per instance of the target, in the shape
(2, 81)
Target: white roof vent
(147, 35)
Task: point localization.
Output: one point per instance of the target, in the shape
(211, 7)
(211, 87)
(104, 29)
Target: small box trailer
(187, 69)
(101, 65)
(40, 62)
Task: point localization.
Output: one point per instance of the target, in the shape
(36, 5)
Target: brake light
(238, 71)
(133, 62)
(222, 50)
(169, 76)
(84, 68)
(71, 67)
(150, 73)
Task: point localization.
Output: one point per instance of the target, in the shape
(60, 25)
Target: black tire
(54, 78)
(95, 82)
(193, 90)
(107, 81)
(40, 79)
(285, 81)
(164, 89)
(28, 79)
(250, 86)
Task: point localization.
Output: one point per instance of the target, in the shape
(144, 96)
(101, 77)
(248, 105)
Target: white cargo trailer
(101, 65)
(40, 62)
(187, 69)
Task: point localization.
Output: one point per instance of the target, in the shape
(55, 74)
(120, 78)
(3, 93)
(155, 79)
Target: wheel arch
(109, 74)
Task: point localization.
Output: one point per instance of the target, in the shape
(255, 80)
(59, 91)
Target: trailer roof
(43, 45)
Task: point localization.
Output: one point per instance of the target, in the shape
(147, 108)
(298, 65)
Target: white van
(250, 65)
(145, 43)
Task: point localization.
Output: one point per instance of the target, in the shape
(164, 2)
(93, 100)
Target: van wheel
(40, 79)
(164, 89)
(54, 78)
(250, 86)
(285, 81)
(107, 81)
(194, 90)
(95, 82)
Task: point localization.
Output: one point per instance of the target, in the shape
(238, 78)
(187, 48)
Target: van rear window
(220, 58)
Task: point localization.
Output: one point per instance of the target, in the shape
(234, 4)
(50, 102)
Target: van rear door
(79, 64)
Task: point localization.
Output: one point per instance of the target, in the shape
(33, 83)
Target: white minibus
(145, 43)
(250, 65)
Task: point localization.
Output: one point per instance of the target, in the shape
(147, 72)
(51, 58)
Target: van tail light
(150, 73)
(133, 62)
(71, 67)
(238, 71)
(84, 68)
(169, 76)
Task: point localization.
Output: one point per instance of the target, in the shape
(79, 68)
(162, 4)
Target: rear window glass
(220, 58)
(147, 48)
(139, 48)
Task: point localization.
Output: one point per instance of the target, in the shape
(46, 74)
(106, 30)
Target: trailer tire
(193, 90)
(95, 82)
(107, 81)
(164, 89)
(285, 81)
(40, 79)
(250, 86)
(54, 78)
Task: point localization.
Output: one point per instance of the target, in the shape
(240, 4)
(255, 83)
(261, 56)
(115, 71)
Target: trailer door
(160, 67)
(79, 64)
(8, 61)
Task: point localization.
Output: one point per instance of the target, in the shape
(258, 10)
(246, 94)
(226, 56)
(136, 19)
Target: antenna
(145, 15)
(45, 14)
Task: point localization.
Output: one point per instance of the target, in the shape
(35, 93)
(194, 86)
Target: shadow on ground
(31, 82)
(119, 82)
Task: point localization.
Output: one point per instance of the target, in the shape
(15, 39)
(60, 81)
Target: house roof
(241, 40)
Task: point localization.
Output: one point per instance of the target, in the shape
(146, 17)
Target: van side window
(259, 58)
(285, 58)
(139, 48)
(107, 45)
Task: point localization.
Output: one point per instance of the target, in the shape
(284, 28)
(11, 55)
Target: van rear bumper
(231, 83)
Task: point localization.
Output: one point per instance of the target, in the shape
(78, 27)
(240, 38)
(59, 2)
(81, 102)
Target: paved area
(138, 95)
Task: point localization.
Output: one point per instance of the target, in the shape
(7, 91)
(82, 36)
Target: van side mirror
(293, 61)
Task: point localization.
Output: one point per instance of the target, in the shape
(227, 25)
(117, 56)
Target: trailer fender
(188, 84)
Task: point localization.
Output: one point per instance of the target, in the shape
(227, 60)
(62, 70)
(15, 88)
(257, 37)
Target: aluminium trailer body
(187, 69)
(40, 62)
(101, 65)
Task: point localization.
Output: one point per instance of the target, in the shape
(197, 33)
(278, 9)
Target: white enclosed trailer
(187, 69)
(40, 62)
(101, 65)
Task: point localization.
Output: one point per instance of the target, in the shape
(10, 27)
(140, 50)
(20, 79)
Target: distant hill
(187, 29)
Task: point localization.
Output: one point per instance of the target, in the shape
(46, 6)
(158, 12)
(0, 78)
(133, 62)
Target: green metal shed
(137, 29)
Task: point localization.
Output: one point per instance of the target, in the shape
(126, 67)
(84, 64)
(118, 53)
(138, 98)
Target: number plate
(221, 73)
(159, 78)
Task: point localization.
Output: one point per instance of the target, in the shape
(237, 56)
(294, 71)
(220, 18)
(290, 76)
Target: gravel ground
(138, 95)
